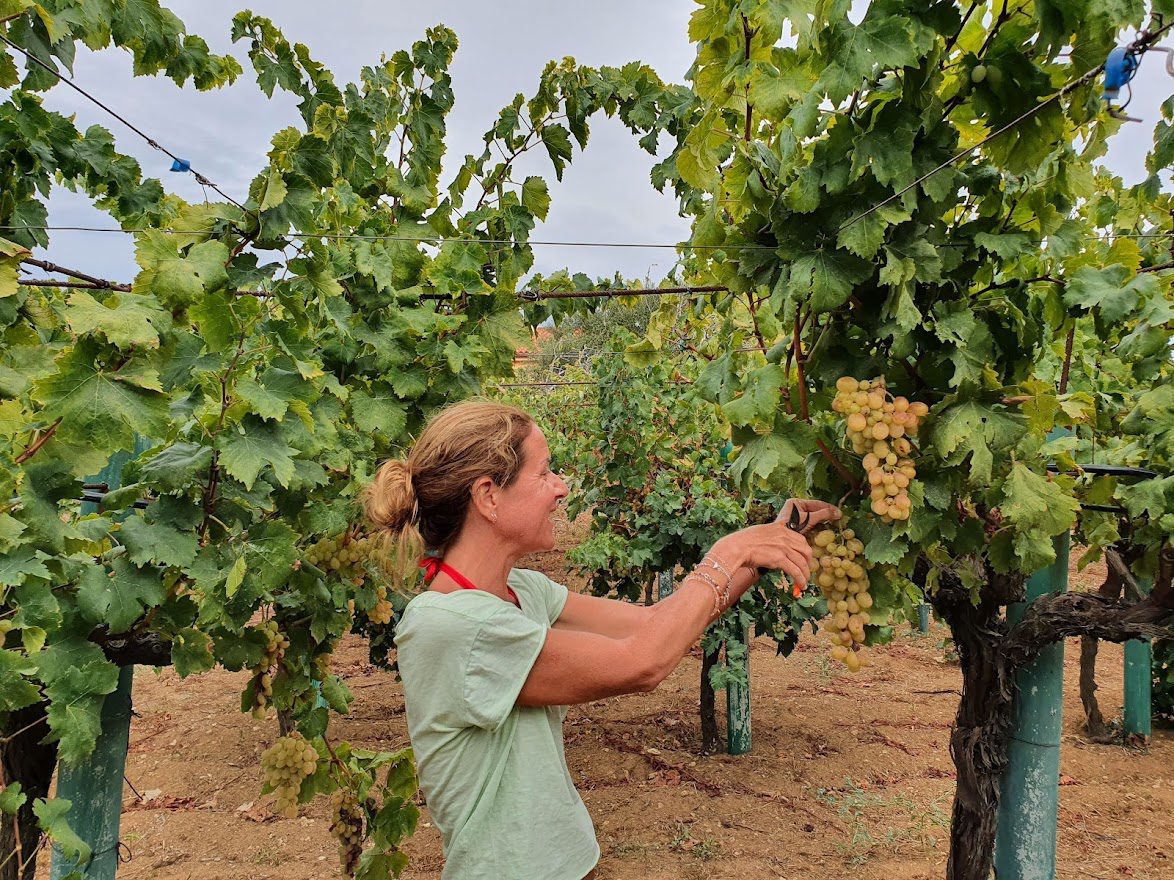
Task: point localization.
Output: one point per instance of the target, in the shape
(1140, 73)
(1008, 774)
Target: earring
(493, 516)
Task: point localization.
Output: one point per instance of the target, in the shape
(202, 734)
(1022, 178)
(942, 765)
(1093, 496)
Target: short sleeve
(499, 663)
(556, 599)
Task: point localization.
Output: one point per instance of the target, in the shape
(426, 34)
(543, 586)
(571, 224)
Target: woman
(490, 655)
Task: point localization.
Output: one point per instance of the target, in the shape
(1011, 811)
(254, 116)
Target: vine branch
(35, 447)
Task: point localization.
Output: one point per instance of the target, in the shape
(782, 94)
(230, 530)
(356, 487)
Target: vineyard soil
(847, 772)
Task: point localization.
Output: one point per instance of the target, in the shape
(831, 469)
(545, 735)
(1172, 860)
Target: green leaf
(10, 256)
(191, 652)
(51, 815)
(261, 400)
(557, 141)
(75, 708)
(536, 197)
(125, 319)
(395, 821)
(16, 691)
(769, 461)
(273, 192)
(381, 412)
(1039, 509)
(236, 576)
(376, 865)
(246, 451)
(159, 542)
(971, 429)
(1108, 291)
(12, 799)
(19, 564)
(827, 277)
(99, 406)
(1007, 245)
(120, 596)
(760, 400)
(177, 467)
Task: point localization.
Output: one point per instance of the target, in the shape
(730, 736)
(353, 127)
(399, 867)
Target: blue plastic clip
(181, 165)
(1120, 67)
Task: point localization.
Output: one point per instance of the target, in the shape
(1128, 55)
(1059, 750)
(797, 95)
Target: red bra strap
(432, 565)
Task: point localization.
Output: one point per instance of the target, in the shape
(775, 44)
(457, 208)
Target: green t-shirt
(494, 773)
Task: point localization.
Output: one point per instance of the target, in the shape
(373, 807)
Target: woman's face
(525, 509)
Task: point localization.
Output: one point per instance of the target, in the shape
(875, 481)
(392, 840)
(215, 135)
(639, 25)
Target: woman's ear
(484, 497)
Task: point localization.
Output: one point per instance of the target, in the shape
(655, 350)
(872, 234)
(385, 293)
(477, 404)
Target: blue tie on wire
(181, 165)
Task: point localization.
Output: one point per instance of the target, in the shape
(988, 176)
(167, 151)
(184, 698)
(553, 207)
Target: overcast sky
(605, 194)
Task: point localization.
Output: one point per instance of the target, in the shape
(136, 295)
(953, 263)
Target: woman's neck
(488, 569)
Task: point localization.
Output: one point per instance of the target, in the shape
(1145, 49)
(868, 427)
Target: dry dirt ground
(848, 774)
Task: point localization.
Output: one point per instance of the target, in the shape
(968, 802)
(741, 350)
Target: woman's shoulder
(458, 609)
(534, 581)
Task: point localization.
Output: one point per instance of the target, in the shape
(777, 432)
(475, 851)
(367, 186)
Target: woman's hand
(807, 514)
(777, 545)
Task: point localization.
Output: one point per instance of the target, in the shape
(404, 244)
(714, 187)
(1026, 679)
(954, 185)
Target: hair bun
(390, 500)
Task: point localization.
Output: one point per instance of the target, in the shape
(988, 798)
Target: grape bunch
(276, 644)
(879, 428)
(347, 555)
(842, 576)
(285, 764)
(346, 824)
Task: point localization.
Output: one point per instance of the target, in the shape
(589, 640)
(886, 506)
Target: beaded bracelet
(718, 607)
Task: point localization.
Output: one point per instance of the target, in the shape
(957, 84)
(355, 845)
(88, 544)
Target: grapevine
(286, 763)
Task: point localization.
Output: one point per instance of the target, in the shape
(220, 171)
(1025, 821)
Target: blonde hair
(419, 504)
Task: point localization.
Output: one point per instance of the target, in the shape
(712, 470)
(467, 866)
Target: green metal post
(1025, 843)
(1138, 684)
(923, 618)
(95, 787)
(738, 739)
(664, 585)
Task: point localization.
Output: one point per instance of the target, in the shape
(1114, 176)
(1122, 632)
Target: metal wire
(200, 178)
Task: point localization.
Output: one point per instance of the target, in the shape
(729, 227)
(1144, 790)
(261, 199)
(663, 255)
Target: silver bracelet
(718, 607)
(723, 592)
(716, 564)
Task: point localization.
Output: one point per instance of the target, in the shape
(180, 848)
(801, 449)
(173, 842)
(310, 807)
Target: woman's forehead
(535, 442)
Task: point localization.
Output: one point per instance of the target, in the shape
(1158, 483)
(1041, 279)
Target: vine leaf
(102, 406)
(1108, 292)
(972, 429)
(50, 815)
(159, 542)
(1040, 509)
(191, 652)
(246, 452)
(11, 254)
(118, 597)
(125, 319)
(16, 691)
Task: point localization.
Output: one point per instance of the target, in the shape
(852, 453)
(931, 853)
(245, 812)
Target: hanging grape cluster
(879, 428)
(347, 556)
(276, 644)
(346, 824)
(842, 576)
(286, 764)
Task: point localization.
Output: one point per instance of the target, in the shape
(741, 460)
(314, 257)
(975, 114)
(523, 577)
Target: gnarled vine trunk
(26, 760)
(991, 653)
